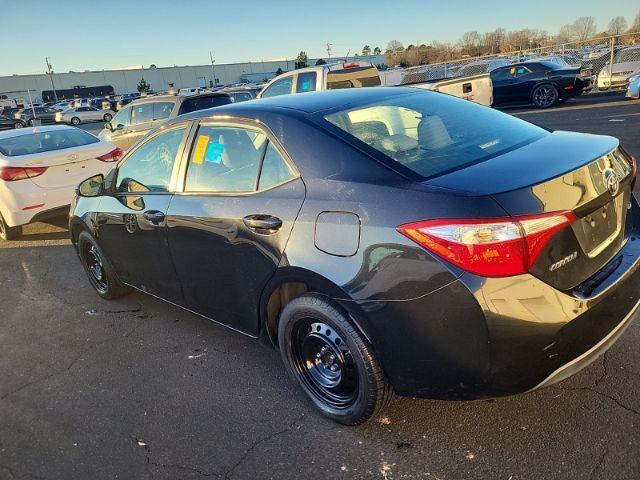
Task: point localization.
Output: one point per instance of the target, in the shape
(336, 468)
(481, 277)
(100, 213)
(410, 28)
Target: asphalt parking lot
(139, 389)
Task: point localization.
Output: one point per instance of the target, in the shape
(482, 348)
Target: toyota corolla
(387, 240)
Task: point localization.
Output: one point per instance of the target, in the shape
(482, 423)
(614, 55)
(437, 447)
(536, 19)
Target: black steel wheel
(98, 269)
(544, 96)
(331, 360)
(7, 232)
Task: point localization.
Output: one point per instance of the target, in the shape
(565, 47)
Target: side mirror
(91, 187)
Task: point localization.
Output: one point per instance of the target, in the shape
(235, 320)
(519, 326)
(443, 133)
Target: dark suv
(140, 116)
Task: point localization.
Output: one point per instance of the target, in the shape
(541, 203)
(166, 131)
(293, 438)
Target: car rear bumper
(23, 204)
(486, 337)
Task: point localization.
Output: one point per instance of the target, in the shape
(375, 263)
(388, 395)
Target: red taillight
(11, 174)
(350, 65)
(569, 87)
(495, 247)
(113, 156)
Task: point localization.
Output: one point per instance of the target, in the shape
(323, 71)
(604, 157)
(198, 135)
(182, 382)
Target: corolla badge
(563, 262)
(611, 181)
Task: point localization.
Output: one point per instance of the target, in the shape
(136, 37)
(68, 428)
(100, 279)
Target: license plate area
(600, 228)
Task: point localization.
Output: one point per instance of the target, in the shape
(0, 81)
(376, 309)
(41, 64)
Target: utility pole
(329, 50)
(50, 73)
(213, 69)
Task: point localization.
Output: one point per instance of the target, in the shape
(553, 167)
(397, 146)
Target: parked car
(241, 94)
(76, 116)
(44, 114)
(481, 66)
(384, 239)
(633, 85)
(61, 105)
(138, 118)
(323, 77)
(8, 122)
(542, 84)
(40, 168)
(476, 88)
(625, 62)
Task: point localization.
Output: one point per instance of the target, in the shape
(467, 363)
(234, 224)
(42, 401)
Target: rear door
(230, 223)
(132, 221)
(120, 124)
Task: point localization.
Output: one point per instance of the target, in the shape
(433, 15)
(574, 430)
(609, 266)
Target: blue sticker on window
(305, 85)
(214, 152)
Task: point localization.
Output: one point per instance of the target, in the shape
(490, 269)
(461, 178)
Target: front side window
(431, 134)
(123, 117)
(141, 113)
(149, 167)
(306, 82)
(279, 87)
(225, 159)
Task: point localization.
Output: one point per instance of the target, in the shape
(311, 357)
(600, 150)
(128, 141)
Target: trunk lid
(560, 172)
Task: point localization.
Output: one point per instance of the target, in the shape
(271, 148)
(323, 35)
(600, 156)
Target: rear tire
(331, 361)
(75, 121)
(7, 232)
(544, 96)
(18, 125)
(101, 274)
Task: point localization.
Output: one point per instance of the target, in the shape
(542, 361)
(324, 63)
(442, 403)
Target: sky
(106, 34)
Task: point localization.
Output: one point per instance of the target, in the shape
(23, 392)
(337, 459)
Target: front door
(229, 226)
(132, 222)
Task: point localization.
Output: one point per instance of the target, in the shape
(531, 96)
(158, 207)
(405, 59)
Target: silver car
(78, 115)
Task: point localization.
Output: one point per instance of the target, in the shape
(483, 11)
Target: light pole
(213, 70)
(50, 73)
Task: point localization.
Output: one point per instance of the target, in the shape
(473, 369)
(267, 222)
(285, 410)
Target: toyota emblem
(612, 181)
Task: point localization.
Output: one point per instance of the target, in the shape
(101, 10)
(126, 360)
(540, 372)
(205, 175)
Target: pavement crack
(604, 369)
(255, 444)
(614, 399)
(597, 466)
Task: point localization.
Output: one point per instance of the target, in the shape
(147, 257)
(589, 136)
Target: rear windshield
(431, 133)
(353, 78)
(45, 142)
(200, 103)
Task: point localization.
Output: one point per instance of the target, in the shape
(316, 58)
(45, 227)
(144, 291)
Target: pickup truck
(363, 74)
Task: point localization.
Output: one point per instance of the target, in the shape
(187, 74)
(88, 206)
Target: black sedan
(8, 122)
(386, 240)
(541, 84)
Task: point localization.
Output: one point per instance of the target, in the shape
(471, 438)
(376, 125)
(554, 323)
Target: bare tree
(395, 46)
(470, 43)
(617, 26)
(580, 30)
(635, 26)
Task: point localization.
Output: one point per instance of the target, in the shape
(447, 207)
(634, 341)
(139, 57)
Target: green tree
(301, 60)
(377, 51)
(366, 50)
(320, 62)
(143, 86)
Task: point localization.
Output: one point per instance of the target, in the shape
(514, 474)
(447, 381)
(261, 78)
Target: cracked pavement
(139, 389)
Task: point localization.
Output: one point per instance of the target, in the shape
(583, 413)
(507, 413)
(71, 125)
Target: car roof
(32, 130)
(176, 98)
(304, 103)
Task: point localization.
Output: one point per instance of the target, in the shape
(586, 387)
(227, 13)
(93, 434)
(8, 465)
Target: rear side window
(123, 117)
(274, 169)
(200, 103)
(431, 134)
(306, 82)
(353, 78)
(162, 110)
(141, 113)
(45, 142)
(279, 87)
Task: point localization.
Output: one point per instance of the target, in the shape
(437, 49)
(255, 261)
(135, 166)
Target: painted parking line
(617, 103)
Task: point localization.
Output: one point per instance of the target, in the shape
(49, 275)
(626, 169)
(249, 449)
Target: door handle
(154, 216)
(266, 223)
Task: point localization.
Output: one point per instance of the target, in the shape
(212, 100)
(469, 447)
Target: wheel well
(76, 228)
(278, 299)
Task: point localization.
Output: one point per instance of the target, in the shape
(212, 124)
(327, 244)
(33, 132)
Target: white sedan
(40, 168)
(78, 115)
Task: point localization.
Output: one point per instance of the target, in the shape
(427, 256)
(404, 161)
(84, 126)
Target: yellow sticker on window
(201, 149)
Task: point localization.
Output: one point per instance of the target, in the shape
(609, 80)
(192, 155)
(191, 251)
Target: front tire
(7, 232)
(544, 96)
(18, 125)
(101, 274)
(75, 121)
(331, 361)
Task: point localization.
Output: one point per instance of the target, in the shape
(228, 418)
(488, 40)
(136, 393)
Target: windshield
(45, 142)
(431, 133)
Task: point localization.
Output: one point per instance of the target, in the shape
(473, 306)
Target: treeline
(474, 44)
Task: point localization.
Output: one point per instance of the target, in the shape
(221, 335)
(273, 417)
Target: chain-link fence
(609, 59)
